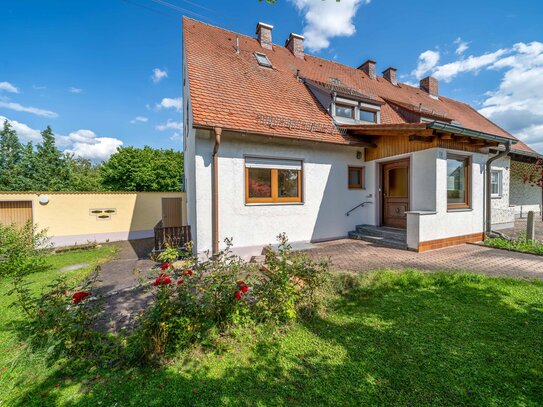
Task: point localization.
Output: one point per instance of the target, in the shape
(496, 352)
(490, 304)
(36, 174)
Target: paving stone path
(359, 256)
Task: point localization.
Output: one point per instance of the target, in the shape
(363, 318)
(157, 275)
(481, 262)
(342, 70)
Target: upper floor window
(263, 60)
(345, 111)
(496, 183)
(367, 116)
(272, 180)
(458, 182)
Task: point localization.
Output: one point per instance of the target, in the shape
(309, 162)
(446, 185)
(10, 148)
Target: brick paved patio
(357, 256)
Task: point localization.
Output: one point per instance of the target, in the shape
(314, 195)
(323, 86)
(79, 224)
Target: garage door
(15, 212)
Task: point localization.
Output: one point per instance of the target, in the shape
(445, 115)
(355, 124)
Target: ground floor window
(496, 183)
(458, 182)
(356, 178)
(272, 180)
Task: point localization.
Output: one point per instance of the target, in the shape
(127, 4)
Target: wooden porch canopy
(425, 132)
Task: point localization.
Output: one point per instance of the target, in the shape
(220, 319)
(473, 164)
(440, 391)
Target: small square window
(356, 178)
(263, 60)
(367, 116)
(345, 111)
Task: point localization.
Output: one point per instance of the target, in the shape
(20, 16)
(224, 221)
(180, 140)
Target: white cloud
(75, 90)
(8, 87)
(170, 124)
(85, 144)
(158, 75)
(24, 132)
(169, 103)
(38, 87)
(461, 46)
(176, 136)
(470, 64)
(29, 109)
(139, 119)
(427, 61)
(327, 19)
(517, 104)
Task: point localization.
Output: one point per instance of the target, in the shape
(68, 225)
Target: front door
(395, 193)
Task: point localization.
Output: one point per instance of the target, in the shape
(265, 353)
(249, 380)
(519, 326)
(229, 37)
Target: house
(277, 140)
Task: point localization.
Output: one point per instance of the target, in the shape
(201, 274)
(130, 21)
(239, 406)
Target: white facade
(503, 213)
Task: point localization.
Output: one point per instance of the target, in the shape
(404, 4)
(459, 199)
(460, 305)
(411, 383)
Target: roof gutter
(451, 128)
(488, 202)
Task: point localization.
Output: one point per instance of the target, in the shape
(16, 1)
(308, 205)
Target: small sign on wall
(103, 214)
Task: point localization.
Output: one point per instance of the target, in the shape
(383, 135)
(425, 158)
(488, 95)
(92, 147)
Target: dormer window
(345, 111)
(263, 60)
(367, 116)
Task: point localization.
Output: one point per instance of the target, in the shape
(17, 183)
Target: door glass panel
(397, 183)
(259, 183)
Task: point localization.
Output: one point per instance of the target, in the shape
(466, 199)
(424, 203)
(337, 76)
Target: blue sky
(87, 68)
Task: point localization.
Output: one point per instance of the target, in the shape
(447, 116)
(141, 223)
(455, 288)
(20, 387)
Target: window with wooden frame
(458, 182)
(356, 178)
(273, 180)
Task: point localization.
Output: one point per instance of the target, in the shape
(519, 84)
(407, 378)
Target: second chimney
(295, 44)
(369, 68)
(430, 85)
(264, 35)
(390, 75)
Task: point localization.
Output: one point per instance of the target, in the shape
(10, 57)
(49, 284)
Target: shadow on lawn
(451, 342)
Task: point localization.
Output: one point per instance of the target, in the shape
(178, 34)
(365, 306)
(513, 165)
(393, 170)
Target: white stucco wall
(426, 223)
(326, 197)
(503, 214)
(524, 196)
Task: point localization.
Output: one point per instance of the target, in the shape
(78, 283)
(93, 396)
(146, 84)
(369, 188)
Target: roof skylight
(263, 60)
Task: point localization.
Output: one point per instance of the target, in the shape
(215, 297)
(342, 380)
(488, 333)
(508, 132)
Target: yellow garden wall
(69, 220)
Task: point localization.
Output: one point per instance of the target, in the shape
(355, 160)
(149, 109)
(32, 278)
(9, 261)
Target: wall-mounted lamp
(359, 155)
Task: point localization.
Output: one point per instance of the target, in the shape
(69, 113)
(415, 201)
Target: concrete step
(385, 232)
(379, 240)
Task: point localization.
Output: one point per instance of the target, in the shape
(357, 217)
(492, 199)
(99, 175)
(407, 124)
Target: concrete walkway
(119, 285)
(358, 256)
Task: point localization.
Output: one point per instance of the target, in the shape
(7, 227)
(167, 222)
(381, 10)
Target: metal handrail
(360, 205)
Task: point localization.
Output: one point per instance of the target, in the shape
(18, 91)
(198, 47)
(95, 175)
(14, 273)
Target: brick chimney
(390, 75)
(369, 68)
(264, 35)
(295, 44)
(430, 85)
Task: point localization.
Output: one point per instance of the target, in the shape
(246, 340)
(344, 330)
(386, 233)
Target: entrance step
(383, 236)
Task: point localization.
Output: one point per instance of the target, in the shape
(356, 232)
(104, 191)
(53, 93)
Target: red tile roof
(230, 90)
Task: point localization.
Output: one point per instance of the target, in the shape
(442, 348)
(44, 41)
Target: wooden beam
(447, 136)
(424, 139)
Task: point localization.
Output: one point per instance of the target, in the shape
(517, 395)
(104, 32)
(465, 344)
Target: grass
(388, 338)
(18, 365)
(517, 245)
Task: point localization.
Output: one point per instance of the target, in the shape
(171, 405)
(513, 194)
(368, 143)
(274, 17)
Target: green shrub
(21, 250)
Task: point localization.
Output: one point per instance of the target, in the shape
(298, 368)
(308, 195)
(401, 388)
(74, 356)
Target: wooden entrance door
(171, 212)
(15, 212)
(395, 193)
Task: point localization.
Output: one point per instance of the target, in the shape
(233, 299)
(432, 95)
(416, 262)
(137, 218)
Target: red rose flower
(237, 295)
(80, 296)
(188, 272)
(163, 279)
(179, 282)
(166, 266)
(244, 288)
(240, 283)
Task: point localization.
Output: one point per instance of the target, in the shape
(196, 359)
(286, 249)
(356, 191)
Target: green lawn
(18, 365)
(388, 338)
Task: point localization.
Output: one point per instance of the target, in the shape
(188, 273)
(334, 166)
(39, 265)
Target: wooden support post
(530, 227)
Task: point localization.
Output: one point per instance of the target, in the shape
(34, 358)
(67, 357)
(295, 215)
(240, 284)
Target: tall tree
(84, 176)
(147, 169)
(50, 166)
(10, 156)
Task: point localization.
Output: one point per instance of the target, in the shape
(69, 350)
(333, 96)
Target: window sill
(496, 197)
(459, 209)
(273, 203)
